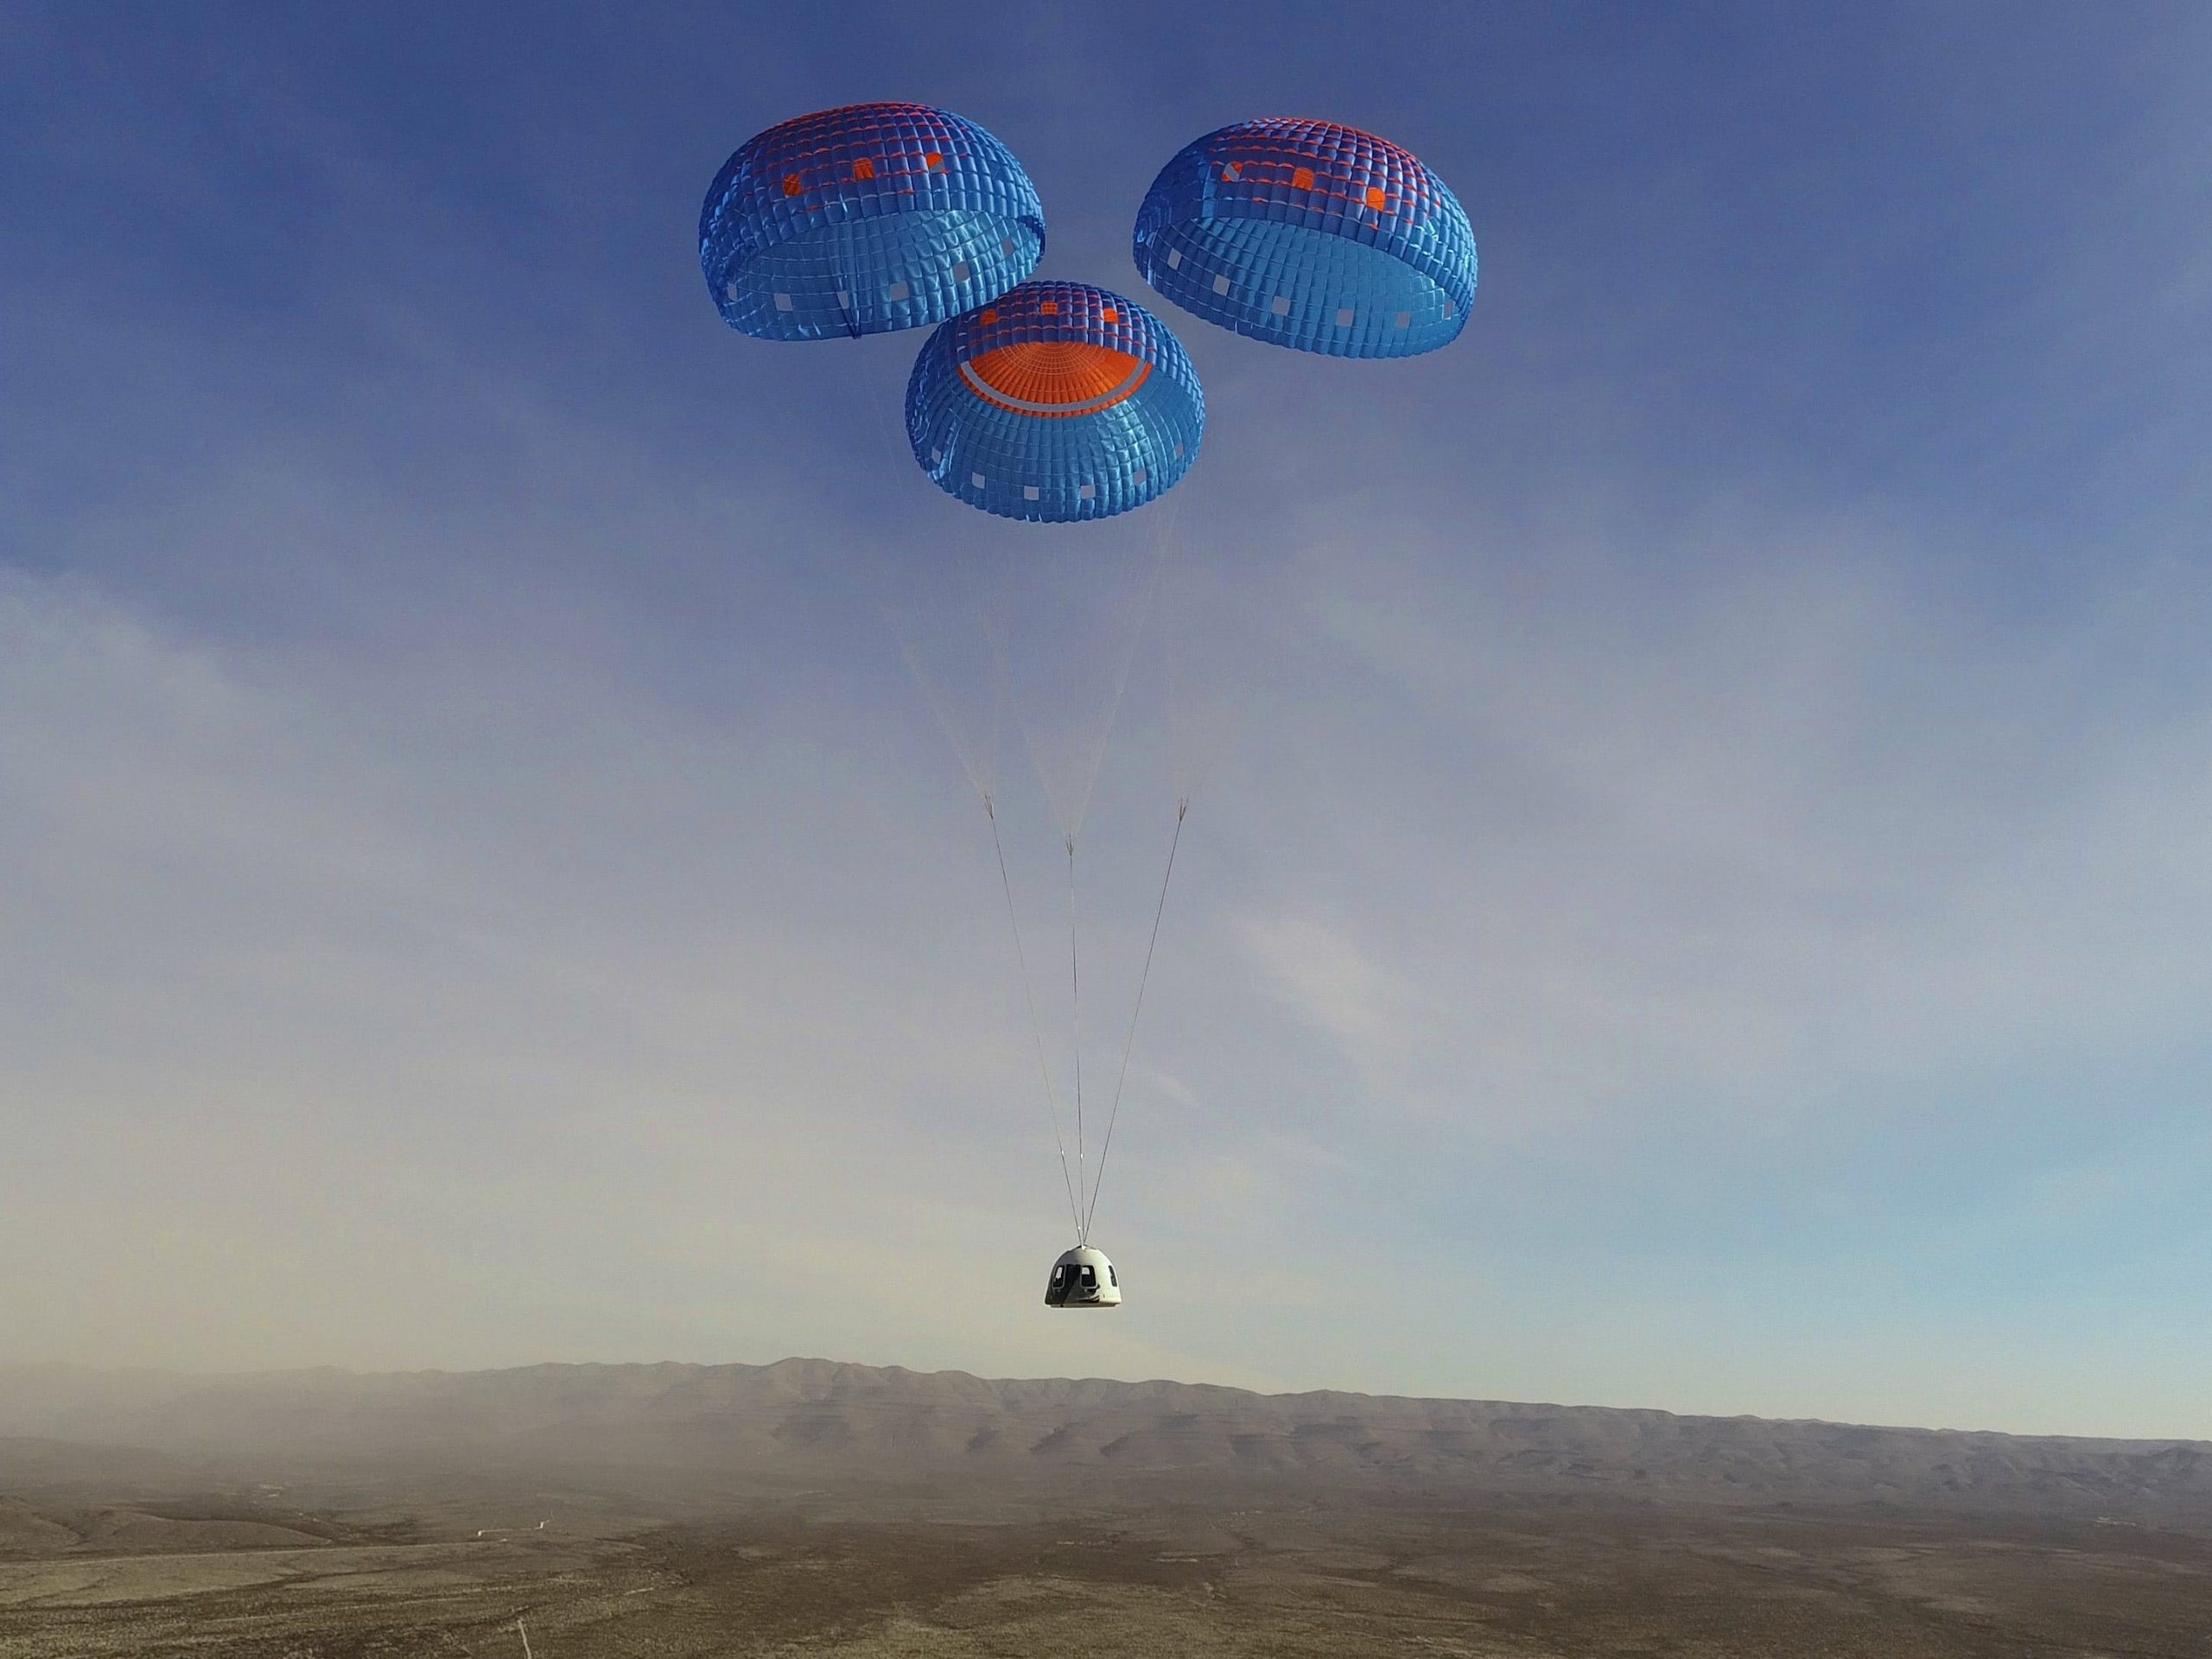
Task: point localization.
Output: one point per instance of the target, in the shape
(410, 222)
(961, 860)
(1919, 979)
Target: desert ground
(380, 1516)
(1289, 1578)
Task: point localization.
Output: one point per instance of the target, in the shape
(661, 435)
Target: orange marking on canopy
(1302, 179)
(791, 186)
(1055, 378)
(864, 168)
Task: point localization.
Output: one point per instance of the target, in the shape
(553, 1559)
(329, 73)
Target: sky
(1701, 897)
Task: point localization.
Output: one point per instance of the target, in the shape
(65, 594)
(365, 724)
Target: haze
(1706, 909)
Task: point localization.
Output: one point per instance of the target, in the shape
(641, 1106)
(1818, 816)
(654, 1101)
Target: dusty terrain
(1293, 1578)
(809, 1509)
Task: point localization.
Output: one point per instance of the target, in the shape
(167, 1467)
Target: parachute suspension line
(980, 764)
(1036, 1025)
(1067, 792)
(990, 625)
(1129, 1046)
(1142, 611)
(978, 747)
(1075, 994)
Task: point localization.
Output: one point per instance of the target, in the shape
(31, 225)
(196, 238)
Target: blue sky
(1708, 905)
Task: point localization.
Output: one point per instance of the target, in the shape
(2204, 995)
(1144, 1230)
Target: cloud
(1323, 979)
(1786, 822)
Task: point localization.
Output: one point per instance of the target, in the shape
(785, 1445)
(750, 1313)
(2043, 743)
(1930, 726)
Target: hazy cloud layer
(1705, 904)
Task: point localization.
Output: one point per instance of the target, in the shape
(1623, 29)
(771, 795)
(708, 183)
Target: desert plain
(810, 1508)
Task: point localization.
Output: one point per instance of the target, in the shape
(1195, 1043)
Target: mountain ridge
(818, 1424)
(791, 1363)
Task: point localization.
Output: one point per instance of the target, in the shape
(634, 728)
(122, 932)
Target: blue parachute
(1057, 402)
(1310, 235)
(864, 219)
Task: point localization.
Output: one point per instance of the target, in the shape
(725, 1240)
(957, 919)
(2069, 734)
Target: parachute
(1310, 235)
(1041, 402)
(1058, 402)
(865, 219)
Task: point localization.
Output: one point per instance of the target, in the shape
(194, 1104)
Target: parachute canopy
(1054, 402)
(1312, 235)
(864, 219)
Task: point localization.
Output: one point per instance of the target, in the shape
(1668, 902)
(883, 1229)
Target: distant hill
(814, 1425)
